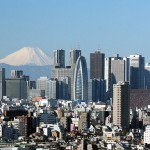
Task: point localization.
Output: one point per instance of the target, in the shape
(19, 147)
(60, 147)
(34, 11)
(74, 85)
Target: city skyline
(115, 27)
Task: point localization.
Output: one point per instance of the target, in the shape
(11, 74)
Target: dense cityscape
(104, 107)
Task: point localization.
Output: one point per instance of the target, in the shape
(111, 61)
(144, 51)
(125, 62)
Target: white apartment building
(147, 135)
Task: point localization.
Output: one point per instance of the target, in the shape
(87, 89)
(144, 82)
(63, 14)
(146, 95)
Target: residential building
(84, 121)
(121, 104)
(147, 135)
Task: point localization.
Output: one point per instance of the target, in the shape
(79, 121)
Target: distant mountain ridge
(28, 56)
(33, 71)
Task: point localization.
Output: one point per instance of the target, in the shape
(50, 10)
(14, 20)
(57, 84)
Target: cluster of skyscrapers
(110, 80)
(72, 83)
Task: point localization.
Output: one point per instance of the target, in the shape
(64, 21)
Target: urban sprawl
(109, 109)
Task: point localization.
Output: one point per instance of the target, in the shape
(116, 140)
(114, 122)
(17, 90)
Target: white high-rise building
(121, 104)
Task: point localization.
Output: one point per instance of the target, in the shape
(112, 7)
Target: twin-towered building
(76, 73)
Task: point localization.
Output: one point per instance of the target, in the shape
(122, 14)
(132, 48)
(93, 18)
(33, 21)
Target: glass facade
(81, 80)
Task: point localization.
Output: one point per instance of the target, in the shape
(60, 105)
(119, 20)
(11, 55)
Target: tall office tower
(57, 88)
(98, 90)
(65, 72)
(117, 69)
(81, 80)
(16, 73)
(63, 88)
(59, 58)
(16, 88)
(41, 84)
(97, 64)
(147, 76)
(51, 89)
(121, 104)
(74, 54)
(68, 71)
(2, 83)
(137, 63)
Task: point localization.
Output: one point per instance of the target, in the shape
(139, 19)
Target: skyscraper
(81, 80)
(137, 63)
(121, 104)
(16, 73)
(67, 71)
(117, 69)
(147, 76)
(59, 58)
(41, 84)
(2, 83)
(16, 88)
(74, 54)
(97, 63)
(51, 89)
(98, 90)
(63, 87)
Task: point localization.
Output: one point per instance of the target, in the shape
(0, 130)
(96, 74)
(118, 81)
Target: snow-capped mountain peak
(28, 56)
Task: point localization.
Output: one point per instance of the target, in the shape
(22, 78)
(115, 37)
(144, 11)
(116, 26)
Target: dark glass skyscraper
(2, 83)
(137, 63)
(59, 58)
(98, 90)
(97, 65)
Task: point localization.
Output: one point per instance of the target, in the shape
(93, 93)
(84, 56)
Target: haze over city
(113, 26)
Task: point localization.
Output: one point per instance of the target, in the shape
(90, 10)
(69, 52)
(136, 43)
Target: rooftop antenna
(98, 49)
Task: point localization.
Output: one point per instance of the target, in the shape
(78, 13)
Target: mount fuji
(28, 56)
(32, 61)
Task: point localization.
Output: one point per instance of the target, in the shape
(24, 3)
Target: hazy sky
(114, 26)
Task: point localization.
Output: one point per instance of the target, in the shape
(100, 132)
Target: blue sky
(114, 26)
